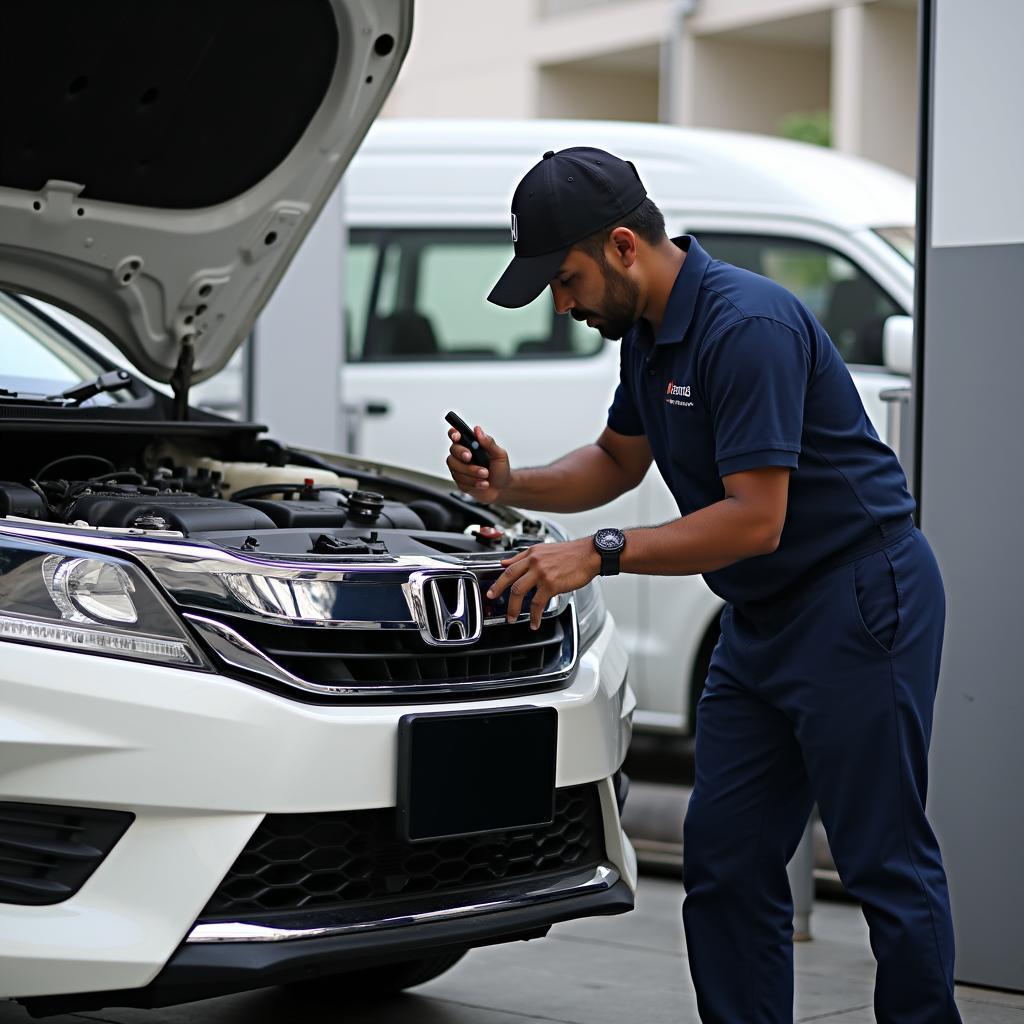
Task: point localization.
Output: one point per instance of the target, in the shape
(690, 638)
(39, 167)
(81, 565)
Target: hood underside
(161, 162)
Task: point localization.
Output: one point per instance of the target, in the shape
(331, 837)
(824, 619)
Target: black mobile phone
(468, 438)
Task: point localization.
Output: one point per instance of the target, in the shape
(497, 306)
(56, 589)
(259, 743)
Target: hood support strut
(181, 380)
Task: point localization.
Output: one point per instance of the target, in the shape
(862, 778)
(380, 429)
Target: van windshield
(902, 239)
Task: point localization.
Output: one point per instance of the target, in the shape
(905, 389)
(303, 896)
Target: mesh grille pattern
(402, 658)
(343, 859)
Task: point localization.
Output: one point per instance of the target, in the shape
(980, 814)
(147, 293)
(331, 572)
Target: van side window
(422, 295)
(360, 266)
(849, 305)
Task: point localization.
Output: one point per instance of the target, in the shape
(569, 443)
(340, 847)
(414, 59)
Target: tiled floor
(623, 970)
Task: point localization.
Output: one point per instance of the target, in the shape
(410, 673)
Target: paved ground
(603, 971)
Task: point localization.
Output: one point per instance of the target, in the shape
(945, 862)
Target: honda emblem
(446, 607)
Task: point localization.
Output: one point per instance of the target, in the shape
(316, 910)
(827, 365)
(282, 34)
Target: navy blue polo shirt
(740, 375)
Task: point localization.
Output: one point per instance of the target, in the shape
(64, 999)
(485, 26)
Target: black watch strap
(608, 543)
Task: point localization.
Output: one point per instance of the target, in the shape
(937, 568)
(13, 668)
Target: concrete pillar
(968, 379)
(874, 83)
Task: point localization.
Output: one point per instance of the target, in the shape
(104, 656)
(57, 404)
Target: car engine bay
(279, 504)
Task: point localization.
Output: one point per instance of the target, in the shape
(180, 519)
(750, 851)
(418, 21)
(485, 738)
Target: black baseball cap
(561, 200)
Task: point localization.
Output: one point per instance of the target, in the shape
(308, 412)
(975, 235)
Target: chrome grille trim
(526, 894)
(236, 652)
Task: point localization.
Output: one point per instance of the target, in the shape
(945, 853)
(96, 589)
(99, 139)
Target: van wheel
(700, 671)
(374, 983)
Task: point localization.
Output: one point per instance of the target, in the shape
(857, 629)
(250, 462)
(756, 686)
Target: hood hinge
(181, 379)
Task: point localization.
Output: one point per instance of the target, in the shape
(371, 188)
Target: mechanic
(821, 687)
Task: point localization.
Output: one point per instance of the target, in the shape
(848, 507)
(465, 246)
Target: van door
(422, 339)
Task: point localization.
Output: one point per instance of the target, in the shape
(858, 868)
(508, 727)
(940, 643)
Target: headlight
(590, 612)
(77, 600)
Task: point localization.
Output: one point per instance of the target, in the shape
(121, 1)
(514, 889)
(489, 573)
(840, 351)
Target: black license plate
(466, 773)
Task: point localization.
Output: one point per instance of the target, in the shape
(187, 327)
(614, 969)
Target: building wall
(565, 92)
(468, 59)
(739, 64)
(874, 79)
(750, 87)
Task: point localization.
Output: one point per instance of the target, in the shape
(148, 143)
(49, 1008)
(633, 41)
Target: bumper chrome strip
(338, 923)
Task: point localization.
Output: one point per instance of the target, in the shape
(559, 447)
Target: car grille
(355, 858)
(401, 662)
(47, 852)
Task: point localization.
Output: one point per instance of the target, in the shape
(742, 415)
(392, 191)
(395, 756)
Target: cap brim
(525, 278)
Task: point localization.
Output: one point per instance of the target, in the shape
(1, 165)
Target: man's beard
(619, 302)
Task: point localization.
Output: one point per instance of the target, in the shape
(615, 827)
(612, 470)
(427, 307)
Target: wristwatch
(609, 544)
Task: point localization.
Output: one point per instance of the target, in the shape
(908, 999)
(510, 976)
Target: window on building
(422, 295)
(849, 305)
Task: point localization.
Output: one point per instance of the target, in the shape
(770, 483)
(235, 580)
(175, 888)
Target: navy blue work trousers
(824, 697)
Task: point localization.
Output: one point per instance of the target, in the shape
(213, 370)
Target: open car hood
(161, 162)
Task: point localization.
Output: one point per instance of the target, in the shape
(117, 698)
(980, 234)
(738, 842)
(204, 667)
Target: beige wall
(468, 58)
(743, 64)
(728, 15)
(565, 92)
(874, 82)
(750, 87)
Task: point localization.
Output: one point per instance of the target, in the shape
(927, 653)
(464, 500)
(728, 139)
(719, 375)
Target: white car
(258, 725)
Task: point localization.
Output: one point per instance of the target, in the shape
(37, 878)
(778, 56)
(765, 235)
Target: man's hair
(646, 222)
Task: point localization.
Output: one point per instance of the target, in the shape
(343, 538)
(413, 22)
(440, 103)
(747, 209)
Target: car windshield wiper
(115, 380)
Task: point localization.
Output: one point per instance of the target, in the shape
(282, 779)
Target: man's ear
(624, 243)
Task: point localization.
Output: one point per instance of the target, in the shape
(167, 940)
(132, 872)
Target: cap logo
(515, 228)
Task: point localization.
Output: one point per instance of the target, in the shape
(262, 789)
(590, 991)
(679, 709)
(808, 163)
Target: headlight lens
(89, 590)
(590, 612)
(62, 597)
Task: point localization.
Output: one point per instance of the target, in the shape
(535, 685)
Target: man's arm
(748, 521)
(585, 478)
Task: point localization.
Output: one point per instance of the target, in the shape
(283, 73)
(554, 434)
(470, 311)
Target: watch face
(609, 540)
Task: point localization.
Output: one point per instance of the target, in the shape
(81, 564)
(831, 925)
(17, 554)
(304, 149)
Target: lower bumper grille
(47, 852)
(307, 862)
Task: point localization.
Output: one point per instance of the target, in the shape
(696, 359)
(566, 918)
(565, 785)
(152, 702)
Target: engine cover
(187, 513)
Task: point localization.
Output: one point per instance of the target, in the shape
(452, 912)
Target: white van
(428, 211)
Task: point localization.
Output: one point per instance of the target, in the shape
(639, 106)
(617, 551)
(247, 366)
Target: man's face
(597, 292)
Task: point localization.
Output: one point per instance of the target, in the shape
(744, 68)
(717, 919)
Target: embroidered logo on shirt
(675, 393)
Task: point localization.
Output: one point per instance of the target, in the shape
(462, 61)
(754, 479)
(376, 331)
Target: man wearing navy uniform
(821, 687)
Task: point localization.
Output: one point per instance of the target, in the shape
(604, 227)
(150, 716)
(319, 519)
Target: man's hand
(484, 484)
(548, 570)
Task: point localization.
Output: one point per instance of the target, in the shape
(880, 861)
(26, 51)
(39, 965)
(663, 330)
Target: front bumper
(199, 761)
(202, 971)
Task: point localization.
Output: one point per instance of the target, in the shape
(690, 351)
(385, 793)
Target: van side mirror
(898, 344)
